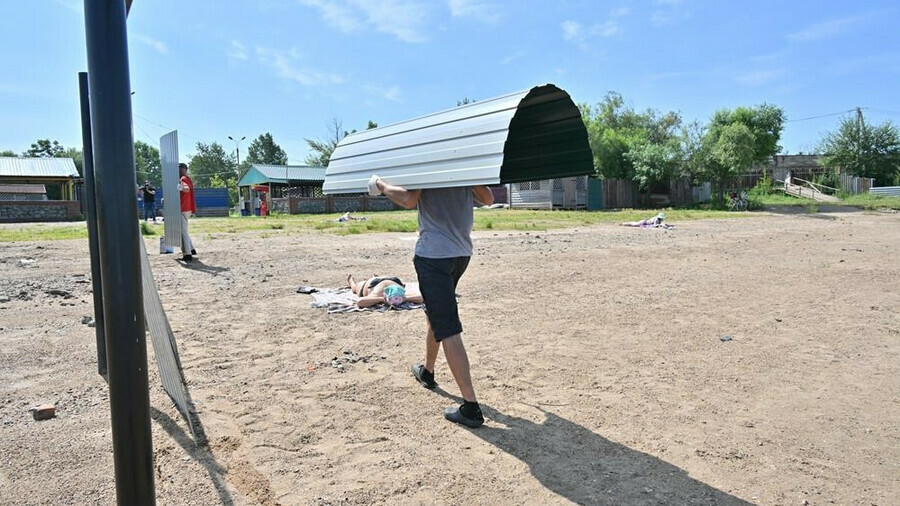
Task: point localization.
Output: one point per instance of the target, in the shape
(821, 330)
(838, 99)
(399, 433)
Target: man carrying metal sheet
(442, 255)
(188, 208)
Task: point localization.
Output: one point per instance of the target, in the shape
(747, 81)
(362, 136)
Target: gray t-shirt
(445, 223)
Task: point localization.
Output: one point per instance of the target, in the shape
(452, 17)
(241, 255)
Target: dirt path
(597, 353)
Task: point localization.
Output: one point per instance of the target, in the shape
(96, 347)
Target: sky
(213, 69)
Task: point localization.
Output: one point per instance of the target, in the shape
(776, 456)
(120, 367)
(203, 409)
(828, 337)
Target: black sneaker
(193, 252)
(187, 258)
(425, 378)
(455, 414)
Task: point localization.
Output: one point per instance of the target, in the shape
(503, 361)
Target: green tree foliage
(626, 144)
(731, 151)
(44, 148)
(264, 150)
(764, 121)
(8, 153)
(864, 150)
(209, 161)
(321, 150)
(147, 164)
(217, 181)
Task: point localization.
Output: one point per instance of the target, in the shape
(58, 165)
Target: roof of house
(37, 167)
(530, 135)
(282, 174)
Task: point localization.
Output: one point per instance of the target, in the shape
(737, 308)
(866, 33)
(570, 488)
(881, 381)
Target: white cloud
(482, 11)
(159, 46)
(758, 77)
(620, 12)
(607, 29)
(237, 51)
(511, 58)
(404, 19)
(571, 30)
(391, 93)
(287, 66)
(825, 29)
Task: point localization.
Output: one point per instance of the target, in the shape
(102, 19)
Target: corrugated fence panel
(887, 191)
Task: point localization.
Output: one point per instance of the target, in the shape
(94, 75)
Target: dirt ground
(596, 352)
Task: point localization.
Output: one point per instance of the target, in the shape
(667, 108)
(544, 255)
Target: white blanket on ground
(342, 300)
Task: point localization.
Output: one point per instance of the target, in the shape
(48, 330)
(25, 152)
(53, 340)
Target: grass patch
(147, 229)
(872, 202)
(376, 222)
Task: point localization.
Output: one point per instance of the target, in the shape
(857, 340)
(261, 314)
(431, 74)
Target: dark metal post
(118, 238)
(91, 210)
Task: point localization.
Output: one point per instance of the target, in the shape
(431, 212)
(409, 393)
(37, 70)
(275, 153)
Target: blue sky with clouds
(217, 68)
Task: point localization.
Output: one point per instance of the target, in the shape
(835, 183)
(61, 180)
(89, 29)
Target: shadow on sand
(198, 451)
(586, 468)
(197, 265)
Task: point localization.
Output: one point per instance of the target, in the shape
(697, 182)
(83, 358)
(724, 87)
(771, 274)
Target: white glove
(373, 186)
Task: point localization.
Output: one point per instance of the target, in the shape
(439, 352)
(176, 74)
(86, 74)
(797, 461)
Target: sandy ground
(596, 353)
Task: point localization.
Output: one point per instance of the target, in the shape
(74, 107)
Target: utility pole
(859, 130)
(237, 150)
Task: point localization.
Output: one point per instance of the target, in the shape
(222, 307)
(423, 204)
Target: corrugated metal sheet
(525, 136)
(887, 191)
(168, 155)
(263, 174)
(37, 167)
(164, 347)
(23, 188)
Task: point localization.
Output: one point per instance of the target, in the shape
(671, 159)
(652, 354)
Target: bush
(146, 229)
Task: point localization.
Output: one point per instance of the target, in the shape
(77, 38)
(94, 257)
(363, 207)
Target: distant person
(149, 193)
(442, 256)
(188, 209)
(263, 206)
(381, 290)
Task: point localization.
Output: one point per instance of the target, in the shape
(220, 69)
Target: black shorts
(438, 278)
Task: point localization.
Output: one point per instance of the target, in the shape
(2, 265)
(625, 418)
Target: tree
(616, 130)
(44, 148)
(764, 121)
(209, 161)
(465, 101)
(8, 153)
(864, 150)
(322, 149)
(77, 157)
(731, 150)
(264, 150)
(147, 164)
(655, 163)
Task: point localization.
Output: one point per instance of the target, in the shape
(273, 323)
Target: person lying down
(654, 222)
(382, 290)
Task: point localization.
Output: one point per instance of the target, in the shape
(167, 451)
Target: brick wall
(45, 210)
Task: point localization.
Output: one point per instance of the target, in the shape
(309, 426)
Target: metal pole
(90, 200)
(118, 239)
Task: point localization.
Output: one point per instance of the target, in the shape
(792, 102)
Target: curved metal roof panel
(524, 136)
(37, 167)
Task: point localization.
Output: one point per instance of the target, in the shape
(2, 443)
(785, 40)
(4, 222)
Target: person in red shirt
(188, 209)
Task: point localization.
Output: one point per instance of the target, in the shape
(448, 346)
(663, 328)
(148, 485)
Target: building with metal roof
(536, 134)
(278, 178)
(57, 174)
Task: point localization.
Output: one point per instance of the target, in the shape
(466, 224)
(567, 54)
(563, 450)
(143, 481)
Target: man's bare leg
(455, 353)
(432, 348)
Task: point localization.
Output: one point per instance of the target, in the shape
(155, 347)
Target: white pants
(186, 244)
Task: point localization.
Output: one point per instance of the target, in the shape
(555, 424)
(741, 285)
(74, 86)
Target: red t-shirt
(187, 197)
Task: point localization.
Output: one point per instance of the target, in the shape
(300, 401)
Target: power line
(823, 115)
